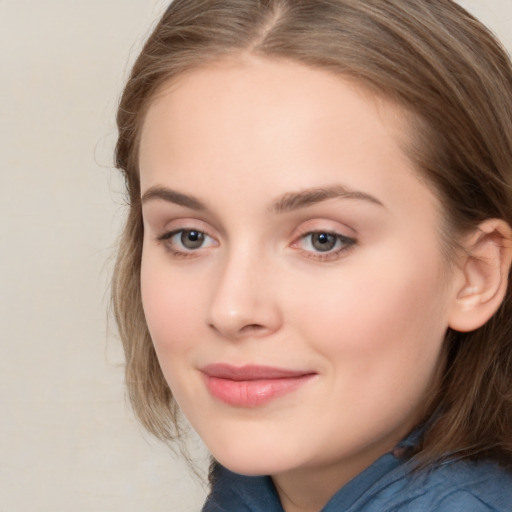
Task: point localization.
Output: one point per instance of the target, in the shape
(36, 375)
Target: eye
(324, 243)
(183, 241)
(191, 239)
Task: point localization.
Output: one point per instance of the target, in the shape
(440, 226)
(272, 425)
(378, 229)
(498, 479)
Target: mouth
(252, 386)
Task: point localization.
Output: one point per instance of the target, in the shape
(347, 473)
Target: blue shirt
(388, 485)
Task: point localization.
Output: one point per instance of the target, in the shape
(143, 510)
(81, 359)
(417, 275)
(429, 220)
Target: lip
(252, 385)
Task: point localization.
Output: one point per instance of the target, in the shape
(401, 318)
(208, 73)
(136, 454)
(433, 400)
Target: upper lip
(251, 372)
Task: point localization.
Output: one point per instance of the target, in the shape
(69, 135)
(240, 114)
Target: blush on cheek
(375, 312)
(157, 308)
(171, 309)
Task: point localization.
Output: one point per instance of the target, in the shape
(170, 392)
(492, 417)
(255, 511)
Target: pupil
(192, 239)
(323, 241)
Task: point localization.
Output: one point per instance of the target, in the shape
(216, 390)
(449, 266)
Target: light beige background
(68, 441)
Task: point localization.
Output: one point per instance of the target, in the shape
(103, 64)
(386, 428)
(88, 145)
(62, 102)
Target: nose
(244, 303)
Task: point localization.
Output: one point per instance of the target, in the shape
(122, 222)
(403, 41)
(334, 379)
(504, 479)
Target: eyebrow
(296, 200)
(171, 196)
(286, 203)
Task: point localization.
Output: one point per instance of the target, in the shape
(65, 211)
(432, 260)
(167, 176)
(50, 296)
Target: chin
(254, 459)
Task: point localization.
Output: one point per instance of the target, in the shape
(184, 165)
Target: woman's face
(292, 273)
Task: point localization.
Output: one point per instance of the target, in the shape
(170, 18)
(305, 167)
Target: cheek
(171, 304)
(380, 334)
(377, 313)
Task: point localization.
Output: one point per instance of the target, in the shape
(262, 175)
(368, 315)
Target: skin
(366, 318)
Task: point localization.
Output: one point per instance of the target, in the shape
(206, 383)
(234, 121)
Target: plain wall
(68, 441)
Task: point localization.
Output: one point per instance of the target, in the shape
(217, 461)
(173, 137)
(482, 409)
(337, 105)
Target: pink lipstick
(251, 386)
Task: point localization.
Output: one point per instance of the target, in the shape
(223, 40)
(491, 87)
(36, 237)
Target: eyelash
(346, 243)
(166, 240)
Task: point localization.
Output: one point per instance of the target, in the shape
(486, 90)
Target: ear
(485, 266)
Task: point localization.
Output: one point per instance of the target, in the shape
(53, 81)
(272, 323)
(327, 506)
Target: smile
(251, 386)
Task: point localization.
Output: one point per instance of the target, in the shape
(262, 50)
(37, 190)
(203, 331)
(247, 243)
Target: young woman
(315, 264)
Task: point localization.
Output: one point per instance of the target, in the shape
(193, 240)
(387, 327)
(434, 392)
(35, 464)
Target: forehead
(236, 122)
(244, 85)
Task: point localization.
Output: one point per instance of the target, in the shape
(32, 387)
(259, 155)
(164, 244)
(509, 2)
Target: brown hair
(437, 63)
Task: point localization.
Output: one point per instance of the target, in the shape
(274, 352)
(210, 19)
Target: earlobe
(485, 268)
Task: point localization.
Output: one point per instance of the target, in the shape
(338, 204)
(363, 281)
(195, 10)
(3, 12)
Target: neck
(309, 488)
(303, 492)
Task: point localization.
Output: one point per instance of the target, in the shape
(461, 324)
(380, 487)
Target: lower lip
(252, 393)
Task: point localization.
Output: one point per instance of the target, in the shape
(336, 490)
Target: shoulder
(450, 487)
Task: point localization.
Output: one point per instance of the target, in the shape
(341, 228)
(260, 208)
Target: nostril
(251, 328)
